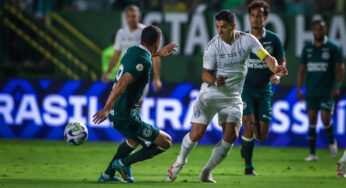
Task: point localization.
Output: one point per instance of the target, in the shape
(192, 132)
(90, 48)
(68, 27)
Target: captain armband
(262, 53)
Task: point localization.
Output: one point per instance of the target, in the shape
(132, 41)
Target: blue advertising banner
(31, 109)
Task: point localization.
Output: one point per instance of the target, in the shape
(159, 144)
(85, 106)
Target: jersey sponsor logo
(147, 132)
(267, 42)
(256, 64)
(269, 48)
(325, 55)
(139, 67)
(309, 50)
(232, 65)
(317, 66)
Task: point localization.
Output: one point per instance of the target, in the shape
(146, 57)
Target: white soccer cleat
(342, 169)
(206, 177)
(311, 157)
(173, 172)
(333, 149)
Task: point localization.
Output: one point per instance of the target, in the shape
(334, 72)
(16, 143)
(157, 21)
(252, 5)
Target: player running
(131, 79)
(224, 71)
(324, 68)
(257, 93)
(127, 37)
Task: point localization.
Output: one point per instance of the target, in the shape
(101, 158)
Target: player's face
(224, 29)
(132, 18)
(257, 18)
(319, 30)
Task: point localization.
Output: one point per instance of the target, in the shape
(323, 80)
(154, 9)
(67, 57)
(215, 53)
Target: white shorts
(145, 92)
(211, 101)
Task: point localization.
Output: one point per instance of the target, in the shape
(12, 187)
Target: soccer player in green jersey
(131, 79)
(323, 68)
(257, 93)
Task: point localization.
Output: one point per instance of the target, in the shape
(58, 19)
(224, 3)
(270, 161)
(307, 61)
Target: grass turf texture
(40, 163)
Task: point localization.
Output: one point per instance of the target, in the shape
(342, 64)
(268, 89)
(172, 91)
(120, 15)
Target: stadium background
(50, 65)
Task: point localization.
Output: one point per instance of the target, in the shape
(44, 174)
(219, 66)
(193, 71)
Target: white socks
(220, 152)
(343, 158)
(186, 147)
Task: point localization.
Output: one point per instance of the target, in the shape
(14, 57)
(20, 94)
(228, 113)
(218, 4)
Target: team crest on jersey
(139, 67)
(197, 114)
(241, 52)
(325, 55)
(269, 49)
(147, 132)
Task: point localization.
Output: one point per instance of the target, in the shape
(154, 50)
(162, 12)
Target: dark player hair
(132, 8)
(150, 35)
(319, 21)
(259, 4)
(226, 15)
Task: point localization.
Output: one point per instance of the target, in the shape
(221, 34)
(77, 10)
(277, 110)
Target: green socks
(123, 151)
(143, 154)
(312, 140)
(330, 133)
(247, 146)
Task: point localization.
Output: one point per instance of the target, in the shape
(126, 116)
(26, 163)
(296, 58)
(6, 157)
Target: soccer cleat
(333, 149)
(103, 179)
(341, 169)
(250, 171)
(173, 172)
(125, 171)
(206, 177)
(311, 157)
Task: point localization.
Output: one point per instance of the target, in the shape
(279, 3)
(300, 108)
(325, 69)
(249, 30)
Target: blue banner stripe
(181, 91)
(69, 88)
(45, 84)
(96, 89)
(6, 131)
(23, 84)
(30, 131)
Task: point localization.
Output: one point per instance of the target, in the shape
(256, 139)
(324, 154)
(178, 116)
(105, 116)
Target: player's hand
(104, 77)
(100, 116)
(275, 80)
(280, 70)
(166, 50)
(157, 84)
(220, 81)
(300, 95)
(335, 92)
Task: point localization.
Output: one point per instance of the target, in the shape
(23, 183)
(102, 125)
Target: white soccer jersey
(126, 39)
(230, 59)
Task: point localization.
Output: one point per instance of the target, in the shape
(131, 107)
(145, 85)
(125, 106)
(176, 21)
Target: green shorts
(135, 129)
(318, 103)
(258, 102)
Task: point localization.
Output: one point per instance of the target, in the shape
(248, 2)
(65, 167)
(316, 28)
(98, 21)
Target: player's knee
(167, 142)
(195, 136)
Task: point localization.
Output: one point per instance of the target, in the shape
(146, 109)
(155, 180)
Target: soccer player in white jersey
(130, 36)
(342, 166)
(224, 71)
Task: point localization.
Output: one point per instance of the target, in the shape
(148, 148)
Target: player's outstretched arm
(157, 73)
(114, 61)
(119, 88)
(275, 80)
(166, 50)
(278, 70)
(300, 80)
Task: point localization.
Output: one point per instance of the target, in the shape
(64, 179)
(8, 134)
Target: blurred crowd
(39, 8)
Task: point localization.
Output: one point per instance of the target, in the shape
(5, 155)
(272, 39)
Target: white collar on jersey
(146, 49)
(263, 34)
(325, 40)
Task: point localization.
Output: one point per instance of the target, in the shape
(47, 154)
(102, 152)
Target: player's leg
(328, 127)
(220, 151)
(123, 150)
(312, 114)
(342, 166)
(188, 144)
(247, 146)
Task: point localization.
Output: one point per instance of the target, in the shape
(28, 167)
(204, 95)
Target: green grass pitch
(50, 164)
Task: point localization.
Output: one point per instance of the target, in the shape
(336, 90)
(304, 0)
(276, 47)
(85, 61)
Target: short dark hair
(132, 8)
(150, 35)
(259, 4)
(226, 15)
(319, 21)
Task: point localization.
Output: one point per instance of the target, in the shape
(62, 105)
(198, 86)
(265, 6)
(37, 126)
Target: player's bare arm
(275, 80)
(166, 50)
(340, 70)
(209, 78)
(300, 80)
(119, 88)
(114, 61)
(278, 70)
(157, 72)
